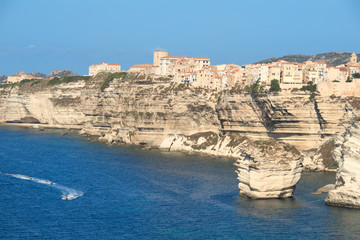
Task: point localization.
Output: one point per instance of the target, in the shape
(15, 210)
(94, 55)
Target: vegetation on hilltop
(67, 79)
(5, 85)
(331, 58)
(111, 77)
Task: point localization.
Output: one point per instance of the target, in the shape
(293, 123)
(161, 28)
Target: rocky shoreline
(158, 114)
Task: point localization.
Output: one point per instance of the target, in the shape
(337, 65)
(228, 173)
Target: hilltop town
(197, 72)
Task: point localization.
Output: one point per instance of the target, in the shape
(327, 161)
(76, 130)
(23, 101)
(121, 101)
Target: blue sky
(44, 35)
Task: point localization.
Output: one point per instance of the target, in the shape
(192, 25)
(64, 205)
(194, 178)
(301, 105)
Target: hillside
(55, 73)
(331, 58)
(61, 73)
(2, 77)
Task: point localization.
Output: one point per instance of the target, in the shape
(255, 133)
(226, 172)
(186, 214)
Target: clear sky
(44, 35)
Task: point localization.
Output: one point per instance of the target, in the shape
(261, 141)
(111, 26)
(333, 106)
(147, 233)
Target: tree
(356, 75)
(253, 87)
(309, 87)
(348, 79)
(275, 86)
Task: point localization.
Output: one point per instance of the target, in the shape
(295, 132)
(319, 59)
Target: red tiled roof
(111, 63)
(186, 57)
(141, 66)
(353, 64)
(105, 63)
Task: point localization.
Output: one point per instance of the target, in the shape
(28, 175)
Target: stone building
(104, 67)
(168, 63)
(146, 69)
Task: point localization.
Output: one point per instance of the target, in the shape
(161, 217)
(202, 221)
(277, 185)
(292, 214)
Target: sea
(66, 187)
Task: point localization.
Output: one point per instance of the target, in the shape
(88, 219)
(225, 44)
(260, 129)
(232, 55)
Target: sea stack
(347, 184)
(269, 171)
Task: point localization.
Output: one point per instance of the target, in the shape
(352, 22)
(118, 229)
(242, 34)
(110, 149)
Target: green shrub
(312, 96)
(36, 82)
(253, 87)
(161, 114)
(356, 75)
(22, 82)
(111, 77)
(348, 79)
(5, 85)
(336, 81)
(275, 86)
(333, 96)
(67, 79)
(309, 87)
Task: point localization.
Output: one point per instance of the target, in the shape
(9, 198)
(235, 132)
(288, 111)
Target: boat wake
(66, 192)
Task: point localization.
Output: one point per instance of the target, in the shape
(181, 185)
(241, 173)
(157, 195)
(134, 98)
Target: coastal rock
(347, 155)
(175, 117)
(268, 170)
(324, 189)
(322, 160)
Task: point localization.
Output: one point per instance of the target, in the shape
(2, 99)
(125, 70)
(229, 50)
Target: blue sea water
(121, 192)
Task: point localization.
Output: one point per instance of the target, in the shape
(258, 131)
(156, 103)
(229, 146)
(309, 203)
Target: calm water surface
(125, 193)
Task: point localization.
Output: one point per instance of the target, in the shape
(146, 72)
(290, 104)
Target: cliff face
(289, 117)
(139, 111)
(347, 155)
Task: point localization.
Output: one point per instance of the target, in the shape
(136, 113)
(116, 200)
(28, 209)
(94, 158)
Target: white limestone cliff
(270, 172)
(347, 155)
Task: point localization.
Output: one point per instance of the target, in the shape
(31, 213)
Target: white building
(104, 67)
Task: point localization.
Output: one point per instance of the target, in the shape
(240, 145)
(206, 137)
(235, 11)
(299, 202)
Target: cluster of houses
(198, 72)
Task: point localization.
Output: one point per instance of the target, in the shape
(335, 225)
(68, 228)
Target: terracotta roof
(293, 63)
(353, 64)
(187, 57)
(105, 63)
(116, 64)
(141, 66)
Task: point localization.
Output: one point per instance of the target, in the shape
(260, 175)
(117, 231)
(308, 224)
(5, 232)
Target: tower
(353, 58)
(157, 55)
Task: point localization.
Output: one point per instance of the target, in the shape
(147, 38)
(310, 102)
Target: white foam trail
(20, 176)
(67, 193)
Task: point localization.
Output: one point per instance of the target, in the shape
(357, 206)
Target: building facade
(104, 67)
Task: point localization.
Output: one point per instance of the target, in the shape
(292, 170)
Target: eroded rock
(268, 170)
(347, 155)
